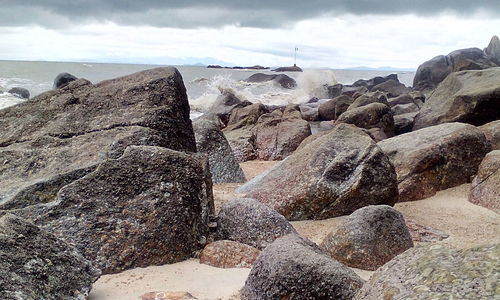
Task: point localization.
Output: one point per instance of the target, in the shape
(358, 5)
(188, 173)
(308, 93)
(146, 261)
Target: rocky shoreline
(97, 179)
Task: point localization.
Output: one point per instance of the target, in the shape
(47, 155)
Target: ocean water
(203, 85)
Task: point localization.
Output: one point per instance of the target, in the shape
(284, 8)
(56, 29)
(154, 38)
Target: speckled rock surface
(34, 264)
(435, 158)
(437, 272)
(229, 254)
(492, 132)
(251, 222)
(332, 175)
(369, 237)
(485, 188)
(148, 207)
(294, 268)
(210, 140)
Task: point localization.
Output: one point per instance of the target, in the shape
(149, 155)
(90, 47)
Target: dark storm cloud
(190, 13)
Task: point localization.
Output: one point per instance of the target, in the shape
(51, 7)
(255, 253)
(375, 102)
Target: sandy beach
(466, 224)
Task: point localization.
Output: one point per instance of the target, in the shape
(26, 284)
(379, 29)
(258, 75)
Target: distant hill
(381, 69)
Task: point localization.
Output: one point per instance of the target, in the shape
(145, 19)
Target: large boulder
(432, 72)
(295, 268)
(250, 222)
(437, 272)
(392, 88)
(278, 134)
(34, 264)
(375, 115)
(332, 175)
(332, 109)
(229, 254)
(369, 237)
(435, 158)
(61, 135)
(309, 111)
(293, 68)
(211, 141)
(485, 188)
(148, 207)
(469, 97)
(63, 79)
(370, 83)
(493, 50)
(20, 92)
(283, 80)
(225, 104)
(369, 98)
(492, 132)
(403, 123)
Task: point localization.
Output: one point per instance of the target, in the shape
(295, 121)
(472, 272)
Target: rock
(288, 69)
(405, 108)
(493, 50)
(62, 80)
(245, 116)
(435, 158)
(370, 83)
(242, 142)
(403, 123)
(211, 141)
(375, 115)
(468, 97)
(20, 92)
(392, 88)
(421, 233)
(368, 98)
(485, 188)
(309, 112)
(492, 132)
(61, 135)
(332, 109)
(406, 99)
(353, 91)
(436, 272)
(278, 134)
(35, 264)
(432, 72)
(333, 175)
(148, 207)
(369, 237)
(283, 80)
(250, 222)
(229, 254)
(334, 90)
(225, 103)
(168, 295)
(294, 268)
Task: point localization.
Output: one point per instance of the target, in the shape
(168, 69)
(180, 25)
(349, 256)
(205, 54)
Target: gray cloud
(191, 13)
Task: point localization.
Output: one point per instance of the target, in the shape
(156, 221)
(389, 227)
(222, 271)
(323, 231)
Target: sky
(327, 33)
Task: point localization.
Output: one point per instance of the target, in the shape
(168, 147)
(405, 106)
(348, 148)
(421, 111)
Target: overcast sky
(328, 33)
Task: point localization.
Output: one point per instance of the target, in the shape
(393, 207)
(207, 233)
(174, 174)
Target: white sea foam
(7, 99)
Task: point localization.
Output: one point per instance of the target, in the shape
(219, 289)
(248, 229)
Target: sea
(203, 85)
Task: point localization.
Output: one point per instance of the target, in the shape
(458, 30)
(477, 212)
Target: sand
(467, 224)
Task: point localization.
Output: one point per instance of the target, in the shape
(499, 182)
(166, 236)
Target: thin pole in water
(295, 57)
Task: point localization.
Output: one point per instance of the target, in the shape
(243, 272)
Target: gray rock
(405, 108)
(211, 141)
(493, 50)
(294, 268)
(435, 158)
(20, 92)
(332, 109)
(485, 188)
(403, 123)
(369, 237)
(370, 83)
(369, 98)
(492, 132)
(467, 97)
(437, 272)
(34, 264)
(411, 98)
(148, 207)
(392, 88)
(432, 72)
(375, 115)
(224, 105)
(250, 222)
(46, 142)
(288, 69)
(309, 112)
(283, 80)
(333, 175)
(62, 80)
